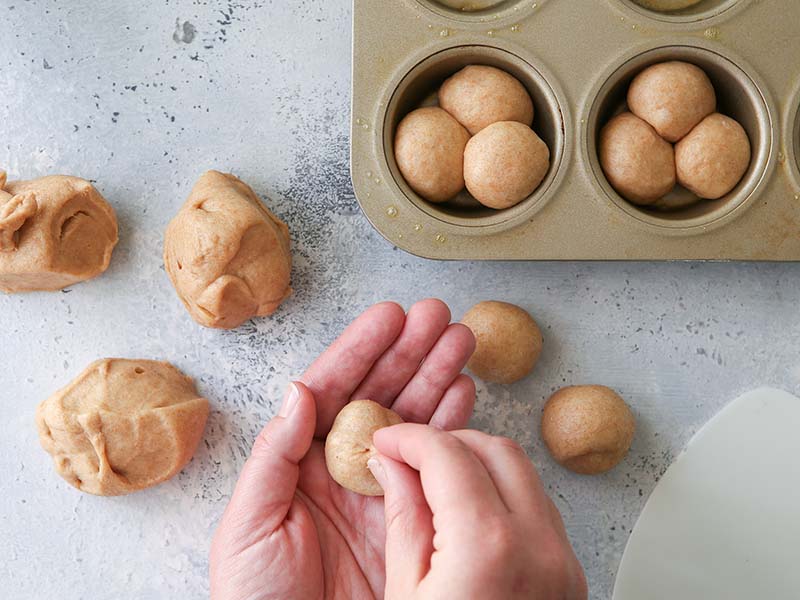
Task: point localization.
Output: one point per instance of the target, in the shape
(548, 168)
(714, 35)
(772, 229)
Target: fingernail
(289, 401)
(376, 468)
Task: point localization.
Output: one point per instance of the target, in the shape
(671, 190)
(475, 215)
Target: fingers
(455, 407)
(425, 322)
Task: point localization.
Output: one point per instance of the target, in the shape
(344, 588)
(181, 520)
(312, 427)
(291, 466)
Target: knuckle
(505, 444)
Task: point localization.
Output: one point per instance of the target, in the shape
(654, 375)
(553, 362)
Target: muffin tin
(576, 58)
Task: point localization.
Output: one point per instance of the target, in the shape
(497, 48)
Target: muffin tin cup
(495, 14)
(791, 142)
(706, 13)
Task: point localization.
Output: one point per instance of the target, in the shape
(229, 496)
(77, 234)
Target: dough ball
(504, 164)
(587, 428)
(349, 445)
(637, 162)
(508, 341)
(478, 96)
(54, 231)
(673, 97)
(667, 5)
(226, 254)
(122, 425)
(712, 159)
(429, 150)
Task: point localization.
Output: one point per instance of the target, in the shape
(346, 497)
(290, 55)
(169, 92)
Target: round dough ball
(429, 150)
(673, 97)
(667, 5)
(587, 428)
(478, 96)
(508, 341)
(226, 254)
(504, 164)
(712, 159)
(122, 425)
(637, 162)
(348, 446)
(54, 231)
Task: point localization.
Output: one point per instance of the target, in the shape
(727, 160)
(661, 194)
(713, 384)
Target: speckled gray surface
(141, 97)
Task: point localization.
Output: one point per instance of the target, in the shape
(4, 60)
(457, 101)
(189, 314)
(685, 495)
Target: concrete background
(143, 96)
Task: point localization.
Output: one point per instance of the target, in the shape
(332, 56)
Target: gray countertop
(141, 97)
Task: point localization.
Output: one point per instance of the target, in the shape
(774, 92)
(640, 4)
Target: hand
(290, 531)
(467, 517)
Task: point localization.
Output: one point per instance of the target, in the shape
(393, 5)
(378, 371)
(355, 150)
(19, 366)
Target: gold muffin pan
(576, 58)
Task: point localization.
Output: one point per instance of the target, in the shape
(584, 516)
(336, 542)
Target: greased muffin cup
(576, 59)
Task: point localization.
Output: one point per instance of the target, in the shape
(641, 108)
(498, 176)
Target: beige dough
(226, 254)
(508, 341)
(504, 164)
(637, 162)
(667, 5)
(478, 96)
(673, 97)
(122, 425)
(587, 428)
(712, 159)
(429, 150)
(54, 231)
(349, 445)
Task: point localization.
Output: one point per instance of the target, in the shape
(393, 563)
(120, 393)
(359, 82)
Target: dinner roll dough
(226, 254)
(478, 96)
(673, 97)
(348, 446)
(508, 341)
(429, 150)
(122, 425)
(54, 231)
(504, 164)
(637, 162)
(712, 159)
(587, 428)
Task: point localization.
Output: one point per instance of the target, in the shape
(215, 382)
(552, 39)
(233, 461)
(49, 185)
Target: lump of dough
(226, 254)
(429, 150)
(587, 428)
(54, 231)
(122, 425)
(504, 164)
(348, 446)
(637, 162)
(712, 159)
(508, 341)
(478, 96)
(673, 97)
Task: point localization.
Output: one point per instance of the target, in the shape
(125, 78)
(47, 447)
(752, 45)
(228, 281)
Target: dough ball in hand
(712, 159)
(478, 96)
(508, 341)
(587, 428)
(122, 425)
(504, 164)
(54, 231)
(348, 446)
(226, 254)
(637, 162)
(429, 150)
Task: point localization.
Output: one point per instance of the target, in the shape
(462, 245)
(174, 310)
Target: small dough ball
(673, 97)
(348, 446)
(122, 425)
(667, 5)
(637, 162)
(54, 231)
(712, 159)
(504, 164)
(226, 254)
(587, 428)
(429, 150)
(478, 96)
(508, 341)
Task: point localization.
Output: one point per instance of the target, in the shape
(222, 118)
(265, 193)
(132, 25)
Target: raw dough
(478, 96)
(587, 428)
(54, 231)
(504, 164)
(349, 445)
(508, 342)
(226, 254)
(122, 425)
